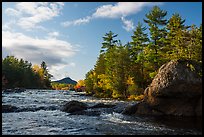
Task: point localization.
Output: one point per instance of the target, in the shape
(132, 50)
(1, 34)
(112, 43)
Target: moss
(153, 74)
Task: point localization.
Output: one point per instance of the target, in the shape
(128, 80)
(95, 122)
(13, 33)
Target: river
(41, 115)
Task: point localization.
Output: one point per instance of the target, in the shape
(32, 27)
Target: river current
(41, 115)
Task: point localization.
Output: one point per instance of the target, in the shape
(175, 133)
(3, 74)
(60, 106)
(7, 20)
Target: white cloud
(12, 12)
(28, 15)
(76, 22)
(8, 25)
(53, 34)
(33, 13)
(52, 51)
(72, 64)
(121, 9)
(118, 10)
(57, 71)
(128, 24)
(60, 71)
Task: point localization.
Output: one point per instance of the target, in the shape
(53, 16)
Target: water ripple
(39, 114)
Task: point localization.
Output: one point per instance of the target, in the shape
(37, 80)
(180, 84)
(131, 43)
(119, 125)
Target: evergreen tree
(124, 71)
(155, 20)
(194, 49)
(109, 41)
(46, 75)
(100, 64)
(19, 73)
(138, 44)
(175, 37)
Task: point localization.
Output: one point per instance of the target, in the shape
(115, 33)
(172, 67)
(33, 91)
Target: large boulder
(175, 90)
(74, 106)
(130, 109)
(198, 109)
(79, 108)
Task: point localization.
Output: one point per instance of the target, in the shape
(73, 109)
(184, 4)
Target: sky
(68, 35)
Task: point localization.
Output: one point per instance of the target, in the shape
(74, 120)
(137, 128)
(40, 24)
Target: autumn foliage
(124, 71)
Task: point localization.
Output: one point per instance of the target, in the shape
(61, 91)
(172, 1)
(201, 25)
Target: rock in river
(74, 106)
(79, 108)
(176, 90)
(9, 108)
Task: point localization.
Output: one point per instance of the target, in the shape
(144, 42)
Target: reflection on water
(41, 115)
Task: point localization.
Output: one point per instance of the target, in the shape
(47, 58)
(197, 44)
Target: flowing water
(40, 115)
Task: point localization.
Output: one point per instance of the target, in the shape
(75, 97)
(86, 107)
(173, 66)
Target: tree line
(62, 86)
(124, 71)
(20, 73)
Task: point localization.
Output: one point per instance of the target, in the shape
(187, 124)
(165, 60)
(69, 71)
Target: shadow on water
(194, 123)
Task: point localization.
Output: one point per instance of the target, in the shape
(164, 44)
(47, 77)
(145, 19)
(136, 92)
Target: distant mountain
(66, 80)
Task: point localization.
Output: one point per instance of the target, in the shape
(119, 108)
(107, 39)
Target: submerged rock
(9, 108)
(175, 90)
(34, 109)
(87, 112)
(15, 90)
(101, 105)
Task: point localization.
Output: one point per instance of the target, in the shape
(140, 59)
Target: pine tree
(176, 37)
(100, 64)
(138, 43)
(155, 20)
(109, 41)
(46, 75)
(194, 48)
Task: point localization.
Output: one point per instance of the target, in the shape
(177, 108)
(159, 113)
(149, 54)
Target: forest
(124, 71)
(21, 74)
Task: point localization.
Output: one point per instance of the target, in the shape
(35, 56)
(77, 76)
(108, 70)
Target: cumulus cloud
(12, 12)
(118, 10)
(128, 24)
(121, 9)
(8, 25)
(35, 50)
(30, 14)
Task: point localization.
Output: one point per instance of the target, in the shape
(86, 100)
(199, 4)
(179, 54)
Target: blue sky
(68, 36)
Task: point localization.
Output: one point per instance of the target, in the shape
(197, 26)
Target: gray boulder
(176, 90)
